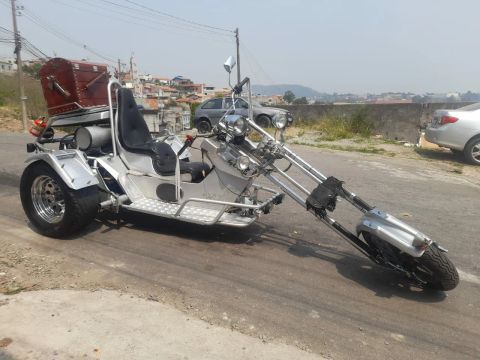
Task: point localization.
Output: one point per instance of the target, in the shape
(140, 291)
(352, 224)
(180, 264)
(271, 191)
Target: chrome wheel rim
(48, 199)
(476, 152)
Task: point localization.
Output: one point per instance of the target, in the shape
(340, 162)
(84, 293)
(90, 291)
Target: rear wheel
(51, 206)
(472, 151)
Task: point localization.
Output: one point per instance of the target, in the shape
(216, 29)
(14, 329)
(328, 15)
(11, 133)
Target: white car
(458, 130)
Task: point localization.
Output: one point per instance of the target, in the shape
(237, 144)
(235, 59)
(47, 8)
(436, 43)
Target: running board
(189, 213)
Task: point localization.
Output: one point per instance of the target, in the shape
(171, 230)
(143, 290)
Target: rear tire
(436, 269)
(52, 207)
(472, 151)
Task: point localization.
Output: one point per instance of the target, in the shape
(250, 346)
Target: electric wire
(178, 17)
(146, 22)
(61, 35)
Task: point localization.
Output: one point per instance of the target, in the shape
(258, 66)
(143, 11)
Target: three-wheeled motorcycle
(111, 162)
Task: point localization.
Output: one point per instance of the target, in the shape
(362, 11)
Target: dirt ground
(10, 120)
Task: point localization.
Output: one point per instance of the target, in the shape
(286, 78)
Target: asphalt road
(288, 278)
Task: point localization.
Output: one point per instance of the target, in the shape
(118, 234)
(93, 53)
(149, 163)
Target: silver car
(458, 130)
(209, 112)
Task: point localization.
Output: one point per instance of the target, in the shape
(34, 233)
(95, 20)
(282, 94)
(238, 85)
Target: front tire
(263, 121)
(204, 126)
(52, 207)
(436, 269)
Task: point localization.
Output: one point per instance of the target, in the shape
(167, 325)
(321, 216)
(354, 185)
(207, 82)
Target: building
(7, 66)
(271, 100)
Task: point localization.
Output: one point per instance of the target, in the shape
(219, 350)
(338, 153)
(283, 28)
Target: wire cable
(145, 21)
(178, 17)
(61, 35)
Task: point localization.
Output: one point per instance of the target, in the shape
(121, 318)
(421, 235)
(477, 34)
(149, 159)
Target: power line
(61, 35)
(146, 22)
(178, 17)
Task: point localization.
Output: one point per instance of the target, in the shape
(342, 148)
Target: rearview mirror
(229, 64)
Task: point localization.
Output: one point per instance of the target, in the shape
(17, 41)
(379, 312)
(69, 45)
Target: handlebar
(238, 88)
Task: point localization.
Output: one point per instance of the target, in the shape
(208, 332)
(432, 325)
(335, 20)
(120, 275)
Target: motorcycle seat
(134, 136)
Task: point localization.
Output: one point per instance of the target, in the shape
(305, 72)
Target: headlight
(236, 124)
(243, 162)
(279, 120)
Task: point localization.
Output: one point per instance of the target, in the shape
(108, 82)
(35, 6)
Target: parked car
(210, 111)
(458, 130)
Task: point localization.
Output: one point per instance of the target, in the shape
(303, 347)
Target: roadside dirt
(9, 120)
(441, 158)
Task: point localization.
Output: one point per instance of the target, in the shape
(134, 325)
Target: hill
(298, 90)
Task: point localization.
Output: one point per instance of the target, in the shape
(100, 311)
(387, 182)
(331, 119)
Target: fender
(394, 231)
(70, 165)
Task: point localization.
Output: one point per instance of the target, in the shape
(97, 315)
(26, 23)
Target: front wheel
(52, 207)
(204, 127)
(436, 270)
(263, 121)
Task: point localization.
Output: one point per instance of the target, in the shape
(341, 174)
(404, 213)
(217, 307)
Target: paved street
(286, 278)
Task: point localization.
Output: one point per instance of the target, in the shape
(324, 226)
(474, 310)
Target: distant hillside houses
(180, 89)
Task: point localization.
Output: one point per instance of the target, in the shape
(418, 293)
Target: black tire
(263, 121)
(204, 126)
(472, 150)
(79, 206)
(437, 270)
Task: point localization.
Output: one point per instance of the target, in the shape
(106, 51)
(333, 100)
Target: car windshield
(471, 107)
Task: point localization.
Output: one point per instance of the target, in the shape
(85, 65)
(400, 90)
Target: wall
(393, 121)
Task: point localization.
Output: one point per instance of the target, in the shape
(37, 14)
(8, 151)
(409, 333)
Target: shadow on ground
(383, 282)
(456, 158)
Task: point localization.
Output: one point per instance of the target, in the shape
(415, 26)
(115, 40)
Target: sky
(359, 46)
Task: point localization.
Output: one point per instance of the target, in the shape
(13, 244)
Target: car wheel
(263, 121)
(204, 126)
(472, 151)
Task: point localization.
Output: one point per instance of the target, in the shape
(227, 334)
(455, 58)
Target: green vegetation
(289, 96)
(32, 70)
(336, 128)
(10, 95)
(300, 101)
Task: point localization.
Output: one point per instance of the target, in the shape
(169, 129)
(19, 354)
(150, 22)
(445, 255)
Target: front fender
(394, 231)
(70, 165)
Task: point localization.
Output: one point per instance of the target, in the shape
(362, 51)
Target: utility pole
(238, 55)
(119, 71)
(18, 47)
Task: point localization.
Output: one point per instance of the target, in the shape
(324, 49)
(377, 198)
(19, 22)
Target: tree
(32, 70)
(289, 96)
(301, 101)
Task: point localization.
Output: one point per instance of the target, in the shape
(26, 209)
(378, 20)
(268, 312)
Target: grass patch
(334, 127)
(9, 95)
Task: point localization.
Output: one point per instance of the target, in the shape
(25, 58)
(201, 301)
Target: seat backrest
(133, 131)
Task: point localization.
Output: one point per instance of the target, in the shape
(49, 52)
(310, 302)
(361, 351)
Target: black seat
(134, 136)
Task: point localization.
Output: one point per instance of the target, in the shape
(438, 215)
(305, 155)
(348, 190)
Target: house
(160, 80)
(166, 92)
(191, 88)
(7, 66)
(180, 80)
(271, 100)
